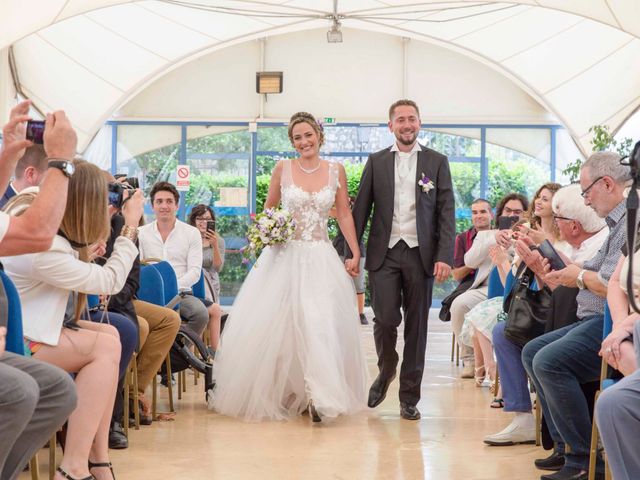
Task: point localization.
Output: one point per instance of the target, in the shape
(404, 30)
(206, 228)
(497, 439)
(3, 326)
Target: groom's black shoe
(409, 412)
(378, 390)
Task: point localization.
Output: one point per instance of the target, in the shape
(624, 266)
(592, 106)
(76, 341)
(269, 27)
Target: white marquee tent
(574, 62)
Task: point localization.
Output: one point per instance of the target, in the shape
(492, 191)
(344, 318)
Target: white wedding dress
(293, 334)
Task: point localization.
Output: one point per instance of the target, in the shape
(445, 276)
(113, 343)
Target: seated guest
(180, 244)
(481, 320)
(559, 361)
(90, 350)
(477, 258)
(36, 397)
(213, 247)
(617, 348)
(29, 172)
(158, 327)
(584, 231)
(618, 419)
(481, 216)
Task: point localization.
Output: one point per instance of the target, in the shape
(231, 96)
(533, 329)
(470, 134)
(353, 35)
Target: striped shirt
(604, 262)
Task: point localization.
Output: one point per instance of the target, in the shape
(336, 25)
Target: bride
(292, 341)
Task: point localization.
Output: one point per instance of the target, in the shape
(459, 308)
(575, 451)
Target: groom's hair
(409, 103)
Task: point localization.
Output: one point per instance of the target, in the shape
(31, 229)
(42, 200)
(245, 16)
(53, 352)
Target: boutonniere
(426, 184)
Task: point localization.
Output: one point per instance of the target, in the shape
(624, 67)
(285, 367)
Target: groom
(410, 242)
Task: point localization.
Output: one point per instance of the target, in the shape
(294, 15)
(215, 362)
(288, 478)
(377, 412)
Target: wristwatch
(579, 281)
(63, 165)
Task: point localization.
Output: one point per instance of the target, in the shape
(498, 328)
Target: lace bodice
(310, 209)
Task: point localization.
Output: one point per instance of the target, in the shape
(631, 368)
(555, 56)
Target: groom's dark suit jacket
(435, 210)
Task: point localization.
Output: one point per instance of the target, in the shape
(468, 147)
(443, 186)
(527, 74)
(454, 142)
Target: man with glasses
(559, 361)
(585, 232)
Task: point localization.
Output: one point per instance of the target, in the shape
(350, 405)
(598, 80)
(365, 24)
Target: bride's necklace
(309, 170)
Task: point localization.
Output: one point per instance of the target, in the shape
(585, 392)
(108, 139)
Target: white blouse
(44, 281)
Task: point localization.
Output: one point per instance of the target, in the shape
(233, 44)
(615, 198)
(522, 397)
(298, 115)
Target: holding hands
(352, 265)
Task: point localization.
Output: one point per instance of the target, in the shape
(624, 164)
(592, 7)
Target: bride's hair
(304, 117)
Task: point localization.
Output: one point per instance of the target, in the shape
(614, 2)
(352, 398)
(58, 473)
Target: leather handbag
(527, 309)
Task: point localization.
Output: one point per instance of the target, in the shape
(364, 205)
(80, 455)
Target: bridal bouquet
(271, 227)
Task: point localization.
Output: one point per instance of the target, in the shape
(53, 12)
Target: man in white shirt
(180, 244)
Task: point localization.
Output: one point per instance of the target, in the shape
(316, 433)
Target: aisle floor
(375, 444)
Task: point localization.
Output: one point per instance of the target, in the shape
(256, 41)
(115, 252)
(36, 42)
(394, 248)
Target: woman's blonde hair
(86, 219)
(304, 117)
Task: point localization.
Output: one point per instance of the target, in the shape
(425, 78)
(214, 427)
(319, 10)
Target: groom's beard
(408, 142)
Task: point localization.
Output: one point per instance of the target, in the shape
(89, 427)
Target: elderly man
(559, 361)
(585, 232)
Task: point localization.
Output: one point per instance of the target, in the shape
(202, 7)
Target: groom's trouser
(401, 282)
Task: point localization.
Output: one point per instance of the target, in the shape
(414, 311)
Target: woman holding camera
(203, 218)
(90, 350)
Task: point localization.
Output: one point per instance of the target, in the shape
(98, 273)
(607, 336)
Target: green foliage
(602, 140)
(205, 188)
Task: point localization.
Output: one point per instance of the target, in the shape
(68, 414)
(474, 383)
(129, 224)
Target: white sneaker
(521, 430)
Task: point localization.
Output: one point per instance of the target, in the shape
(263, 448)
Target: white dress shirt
(589, 247)
(182, 249)
(44, 281)
(403, 225)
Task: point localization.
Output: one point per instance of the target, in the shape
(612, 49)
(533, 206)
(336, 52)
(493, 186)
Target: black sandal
(103, 464)
(61, 471)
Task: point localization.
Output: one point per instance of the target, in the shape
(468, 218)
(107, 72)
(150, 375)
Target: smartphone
(505, 223)
(550, 253)
(35, 131)
(211, 225)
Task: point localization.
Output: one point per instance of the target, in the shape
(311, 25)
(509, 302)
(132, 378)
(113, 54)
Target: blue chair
(93, 301)
(151, 287)
(170, 283)
(15, 339)
(198, 288)
(605, 382)
(152, 290)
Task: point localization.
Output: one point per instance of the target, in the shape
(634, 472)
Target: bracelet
(129, 232)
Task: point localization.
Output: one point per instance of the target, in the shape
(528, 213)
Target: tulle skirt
(292, 336)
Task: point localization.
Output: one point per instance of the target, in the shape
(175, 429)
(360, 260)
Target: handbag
(445, 313)
(527, 309)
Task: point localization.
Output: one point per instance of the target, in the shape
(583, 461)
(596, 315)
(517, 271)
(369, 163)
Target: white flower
(426, 183)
